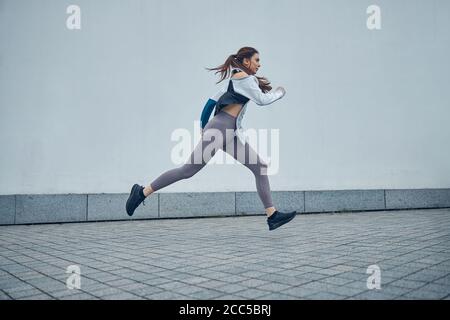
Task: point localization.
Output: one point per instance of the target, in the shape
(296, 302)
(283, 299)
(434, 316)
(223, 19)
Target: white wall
(92, 110)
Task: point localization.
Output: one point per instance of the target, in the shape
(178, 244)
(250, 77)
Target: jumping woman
(230, 105)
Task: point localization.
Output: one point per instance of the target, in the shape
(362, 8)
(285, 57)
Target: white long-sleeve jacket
(248, 87)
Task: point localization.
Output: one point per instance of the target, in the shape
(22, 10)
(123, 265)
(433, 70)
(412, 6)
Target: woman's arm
(249, 88)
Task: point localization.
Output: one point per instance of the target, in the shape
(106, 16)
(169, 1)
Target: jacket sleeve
(250, 89)
(209, 107)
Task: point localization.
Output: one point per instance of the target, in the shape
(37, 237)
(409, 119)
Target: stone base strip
(59, 208)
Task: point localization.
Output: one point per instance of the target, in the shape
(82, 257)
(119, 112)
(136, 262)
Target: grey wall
(92, 110)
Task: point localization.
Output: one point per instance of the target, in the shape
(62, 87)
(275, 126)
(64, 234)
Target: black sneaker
(135, 199)
(277, 219)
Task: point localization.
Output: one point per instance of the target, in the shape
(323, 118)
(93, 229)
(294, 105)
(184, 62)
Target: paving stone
(121, 296)
(252, 293)
(79, 296)
(40, 296)
(408, 284)
(325, 296)
(273, 287)
(277, 296)
(24, 293)
(206, 294)
(105, 292)
(231, 288)
(424, 294)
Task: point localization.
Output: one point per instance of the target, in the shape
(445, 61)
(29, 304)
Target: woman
(230, 105)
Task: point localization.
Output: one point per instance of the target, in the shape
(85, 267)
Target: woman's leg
(246, 155)
(214, 138)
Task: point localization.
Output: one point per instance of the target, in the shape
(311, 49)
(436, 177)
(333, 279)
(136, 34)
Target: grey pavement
(316, 256)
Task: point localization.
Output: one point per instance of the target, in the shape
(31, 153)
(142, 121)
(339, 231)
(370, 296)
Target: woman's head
(247, 59)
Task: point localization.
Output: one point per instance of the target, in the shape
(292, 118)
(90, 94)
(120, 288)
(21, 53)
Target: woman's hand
(282, 90)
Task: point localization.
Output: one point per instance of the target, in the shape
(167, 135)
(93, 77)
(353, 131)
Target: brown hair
(236, 60)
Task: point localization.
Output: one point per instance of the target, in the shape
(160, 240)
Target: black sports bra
(230, 96)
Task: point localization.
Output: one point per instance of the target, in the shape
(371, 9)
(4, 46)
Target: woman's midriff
(233, 109)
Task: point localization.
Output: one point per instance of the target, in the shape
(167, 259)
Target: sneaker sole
(128, 201)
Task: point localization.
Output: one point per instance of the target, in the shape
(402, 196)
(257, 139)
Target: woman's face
(253, 63)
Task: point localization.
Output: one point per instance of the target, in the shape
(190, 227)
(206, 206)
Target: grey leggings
(209, 141)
